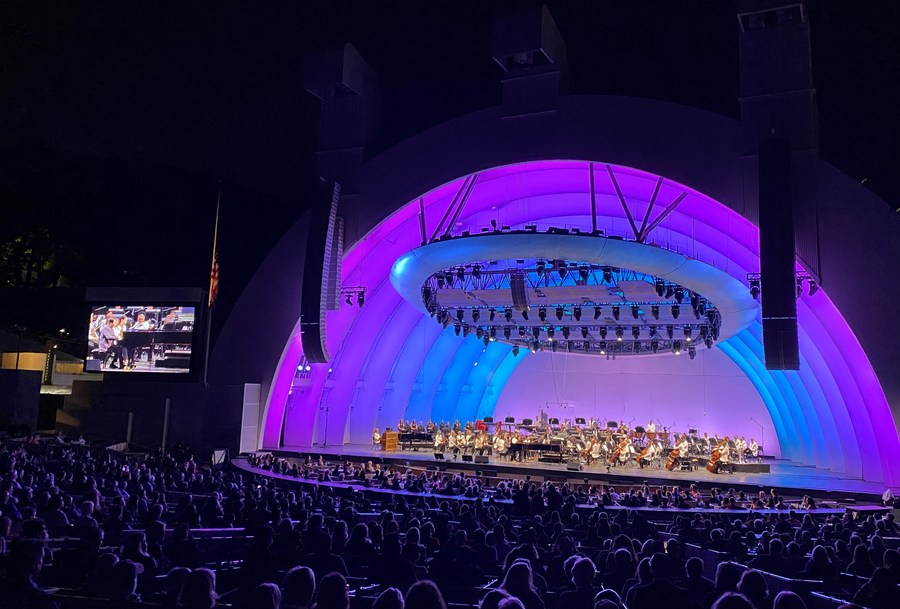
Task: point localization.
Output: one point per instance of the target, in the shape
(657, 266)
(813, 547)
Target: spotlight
(569, 346)
(507, 315)
(636, 346)
(704, 332)
(635, 332)
(479, 333)
(476, 271)
(493, 314)
(584, 332)
(679, 294)
(635, 311)
(654, 311)
(446, 321)
(607, 274)
(308, 368)
(676, 311)
(566, 332)
(460, 273)
(654, 346)
(535, 346)
(583, 273)
(542, 314)
(603, 333)
(349, 301)
(596, 312)
(754, 288)
(813, 287)
(552, 346)
(660, 287)
(507, 332)
(676, 347)
(799, 287)
(587, 346)
(448, 279)
(459, 314)
(695, 300)
(670, 291)
(692, 352)
(602, 348)
(670, 332)
(560, 312)
(615, 311)
(540, 268)
(466, 330)
(687, 334)
(476, 315)
(360, 299)
(440, 282)
(525, 315)
(551, 331)
(487, 340)
(708, 341)
(654, 332)
(536, 332)
(619, 333)
(576, 313)
(515, 350)
(522, 332)
(457, 329)
(563, 270)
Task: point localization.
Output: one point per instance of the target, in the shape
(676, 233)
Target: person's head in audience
(199, 590)
(518, 579)
(173, 583)
(121, 581)
(299, 585)
(753, 585)
(389, 599)
(776, 547)
(728, 574)
(492, 599)
(660, 566)
(693, 568)
(583, 573)
(644, 574)
(25, 560)
(608, 594)
(510, 603)
(424, 595)
(333, 593)
(605, 603)
(266, 596)
(732, 600)
(788, 600)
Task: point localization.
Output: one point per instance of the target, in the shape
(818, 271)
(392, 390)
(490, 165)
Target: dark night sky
(118, 118)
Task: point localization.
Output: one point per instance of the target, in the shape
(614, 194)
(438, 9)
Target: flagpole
(211, 296)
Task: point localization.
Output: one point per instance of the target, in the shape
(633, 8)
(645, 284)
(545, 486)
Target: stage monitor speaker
(439, 456)
(574, 466)
(488, 419)
(481, 459)
(467, 458)
(778, 281)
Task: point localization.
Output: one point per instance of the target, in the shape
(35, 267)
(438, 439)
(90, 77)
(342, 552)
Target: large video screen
(131, 338)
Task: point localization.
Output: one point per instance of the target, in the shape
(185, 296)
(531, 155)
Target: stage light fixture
(584, 273)
(660, 287)
(615, 312)
(676, 347)
(535, 346)
(476, 315)
(349, 300)
(670, 332)
(603, 332)
(708, 341)
(308, 368)
(619, 333)
(813, 287)
(654, 332)
(560, 312)
(525, 315)
(754, 288)
(602, 348)
(566, 332)
(551, 331)
(670, 291)
(597, 312)
(552, 346)
(466, 330)
(540, 268)
(457, 329)
(460, 273)
(493, 314)
(687, 334)
(676, 311)
(476, 271)
(695, 299)
(448, 279)
(507, 315)
(636, 346)
(515, 350)
(542, 314)
(507, 332)
(563, 270)
(679, 294)
(440, 282)
(692, 352)
(587, 346)
(799, 287)
(446, 321)
(536, 332)
(576, 313)
(607, 274)
(569, 346)
(654, 346)
(584, 332)
(654, 311)
(493, 333)
(487, 340)
(479, 333)
(635, 311)
(522, 332)
(635, 332)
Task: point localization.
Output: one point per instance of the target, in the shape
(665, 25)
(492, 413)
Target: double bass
(643, 454)
(712, 465)
(673, 457)
(618, 451)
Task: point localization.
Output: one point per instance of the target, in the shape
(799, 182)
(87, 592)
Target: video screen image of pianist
(141, 338)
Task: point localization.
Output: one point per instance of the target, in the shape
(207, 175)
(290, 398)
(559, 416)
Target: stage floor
(788, 477)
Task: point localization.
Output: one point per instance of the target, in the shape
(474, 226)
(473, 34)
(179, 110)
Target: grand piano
(178, 356)
(416, 440)
(521, 449)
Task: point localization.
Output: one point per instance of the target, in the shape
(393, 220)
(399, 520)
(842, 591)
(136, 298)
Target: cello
(643, 454)
(619, 449)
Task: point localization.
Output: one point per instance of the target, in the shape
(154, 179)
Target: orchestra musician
(651, 427)
(376, 437)
(753, 448)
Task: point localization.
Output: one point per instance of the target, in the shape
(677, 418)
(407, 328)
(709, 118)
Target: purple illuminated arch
(385, 355)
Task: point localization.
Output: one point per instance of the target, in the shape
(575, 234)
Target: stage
(790, 479)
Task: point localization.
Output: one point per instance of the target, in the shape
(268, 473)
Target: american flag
(214, 271)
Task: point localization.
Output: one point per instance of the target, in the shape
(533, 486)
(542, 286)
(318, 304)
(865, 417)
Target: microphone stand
(762, 433)
(325, 409)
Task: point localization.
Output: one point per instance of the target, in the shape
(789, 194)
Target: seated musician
(596, 449)
(376, 437)
(452, 440)
(439, 441)
(400, 426)
(107, 345)
(753, 448)
(683, 446)
(500, 445)
(724, 455)
(740, 445)
(651, 427)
